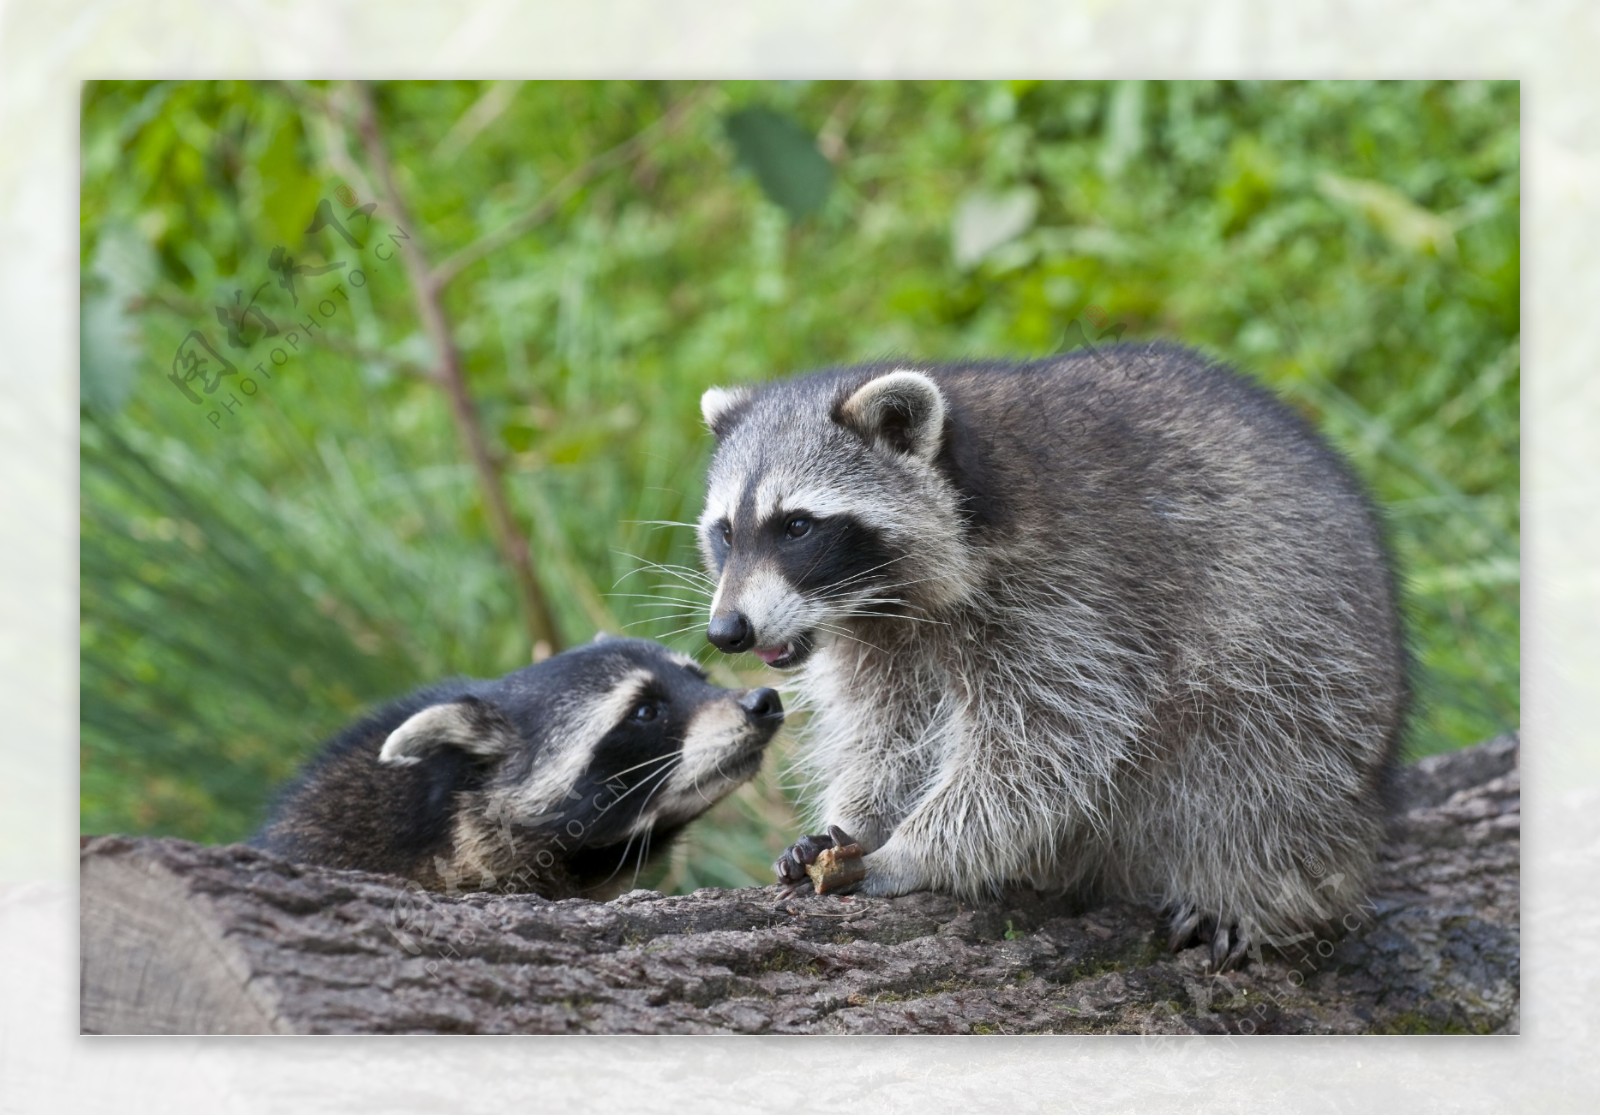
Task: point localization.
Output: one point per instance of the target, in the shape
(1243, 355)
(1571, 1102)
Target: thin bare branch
(449, 374)
(484, 111)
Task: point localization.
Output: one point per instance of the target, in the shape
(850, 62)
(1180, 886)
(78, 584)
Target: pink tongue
(770, 655)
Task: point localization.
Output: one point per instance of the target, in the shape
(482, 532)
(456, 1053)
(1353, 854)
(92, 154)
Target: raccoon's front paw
(1228, 943)
(804, 862)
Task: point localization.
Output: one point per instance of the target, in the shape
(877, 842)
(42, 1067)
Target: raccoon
(1117, 623)
(552, 779)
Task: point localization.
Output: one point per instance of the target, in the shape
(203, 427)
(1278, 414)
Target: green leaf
(109, 351)
(783, 156)
(1124, 128)
(1397, 217)
(110, 343)
(289, 192)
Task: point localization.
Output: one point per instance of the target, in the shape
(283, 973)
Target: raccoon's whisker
(696, 571)
(659, 523)
(845, 588)
(833, 629)
(857, 576)
(676, 589)
(816, 559)
(666, 617)
(685, 572)
(699, 622)
(897, 616)
(694, 614)
(648, 620)
(657, 597)
(644, 852)
(672, 569)
(701, 591)
(842, 586)
(660, 780)
(627, 847)
(641, 558)
(694, 617)
(717, 771)
(644, 849)
(643, 779)
(666, 610)
(644, 845)
(635, 767)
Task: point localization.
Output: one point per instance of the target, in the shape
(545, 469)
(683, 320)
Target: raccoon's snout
(762, 704)
(731, 632)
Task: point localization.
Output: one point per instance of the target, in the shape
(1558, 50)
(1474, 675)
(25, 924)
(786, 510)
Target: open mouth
(786, 655)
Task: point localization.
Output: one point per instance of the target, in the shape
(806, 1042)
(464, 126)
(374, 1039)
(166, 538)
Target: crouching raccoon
(558, 778)
(1118, 623)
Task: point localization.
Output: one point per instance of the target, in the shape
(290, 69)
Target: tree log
(183, 938)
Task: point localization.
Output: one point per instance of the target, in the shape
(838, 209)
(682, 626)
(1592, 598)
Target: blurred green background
(256, 572)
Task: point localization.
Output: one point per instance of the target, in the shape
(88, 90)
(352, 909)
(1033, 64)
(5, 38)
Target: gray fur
(1134, 632)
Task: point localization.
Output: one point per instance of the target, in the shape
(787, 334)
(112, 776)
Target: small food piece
(837, 869)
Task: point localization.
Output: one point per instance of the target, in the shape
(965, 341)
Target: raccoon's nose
(730, 632)
(763, 704)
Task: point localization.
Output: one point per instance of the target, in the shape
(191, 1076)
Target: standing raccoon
(1117, 622)
(552, 779)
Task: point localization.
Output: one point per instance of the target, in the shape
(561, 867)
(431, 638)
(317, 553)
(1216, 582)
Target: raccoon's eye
(798, 526)
(645, 711)
(726, 530)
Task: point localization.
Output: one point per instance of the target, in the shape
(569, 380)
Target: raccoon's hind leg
(1228, 942)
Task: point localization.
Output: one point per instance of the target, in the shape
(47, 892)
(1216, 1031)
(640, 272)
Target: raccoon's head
(825, 505)
(596, 746)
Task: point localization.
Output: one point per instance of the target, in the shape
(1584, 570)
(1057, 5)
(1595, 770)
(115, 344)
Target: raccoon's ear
(902, 410)
(720, 408)
(471, 724)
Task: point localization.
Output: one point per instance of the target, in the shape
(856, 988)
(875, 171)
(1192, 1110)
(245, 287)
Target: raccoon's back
(347, 810)
(1131, 431)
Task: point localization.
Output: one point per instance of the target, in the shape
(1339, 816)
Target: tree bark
(178, 937)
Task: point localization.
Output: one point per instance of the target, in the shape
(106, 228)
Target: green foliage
(778, 150)
(252, 578)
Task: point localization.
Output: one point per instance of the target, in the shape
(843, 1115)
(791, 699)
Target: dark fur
(349, 809)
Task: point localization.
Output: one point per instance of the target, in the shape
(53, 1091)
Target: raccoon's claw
(791, 866)
(1185, 921)
(1226, 942)
(1228, 948)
